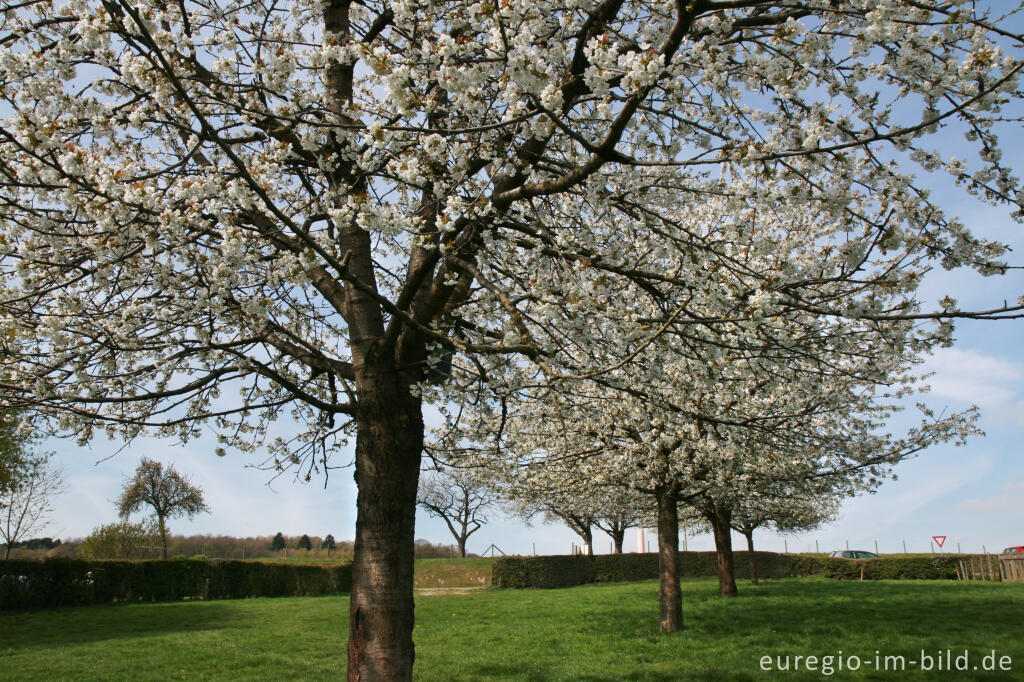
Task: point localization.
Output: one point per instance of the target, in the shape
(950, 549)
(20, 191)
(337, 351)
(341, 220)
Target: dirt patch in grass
(453, 572)
(435, 591)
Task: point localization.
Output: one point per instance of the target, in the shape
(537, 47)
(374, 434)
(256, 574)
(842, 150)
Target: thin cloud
(1008, 498)
(970, 376)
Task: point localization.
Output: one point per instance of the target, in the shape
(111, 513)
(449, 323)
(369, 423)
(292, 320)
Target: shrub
(121, 540)
(75, 582)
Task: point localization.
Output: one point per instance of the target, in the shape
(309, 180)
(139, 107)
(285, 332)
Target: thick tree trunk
(588, 537)
(462, 548)
(670, 595)
(750, 555)
(723, 546)
(388, 446)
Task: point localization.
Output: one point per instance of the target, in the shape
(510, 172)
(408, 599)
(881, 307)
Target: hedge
(566, 571)
(76, 582)
(941, 567)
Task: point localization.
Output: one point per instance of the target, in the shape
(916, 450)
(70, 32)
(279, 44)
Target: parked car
(1019, 549)
(853, 554)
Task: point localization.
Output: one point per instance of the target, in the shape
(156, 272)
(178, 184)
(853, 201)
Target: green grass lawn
(595, 632)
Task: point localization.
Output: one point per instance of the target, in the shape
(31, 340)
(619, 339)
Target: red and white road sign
(939, 539)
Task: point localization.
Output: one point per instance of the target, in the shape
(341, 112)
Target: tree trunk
(462, 548)
(617, 538)
(588, 537)
(670, 595)
(163, 536)
(750, 554)
(388, 447)
(723, 546)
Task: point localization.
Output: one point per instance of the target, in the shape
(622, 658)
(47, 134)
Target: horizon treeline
(222, 547)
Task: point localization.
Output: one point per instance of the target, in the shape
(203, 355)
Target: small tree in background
(121, 540)
(278, 543)
(27, 500)
(328, 544)
(169, 494)
(454, 496)
(305, 543)
(790, 514)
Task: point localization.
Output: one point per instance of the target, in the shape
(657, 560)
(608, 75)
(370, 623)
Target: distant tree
(121, 540)
(169, 494)
(789, 514)
(36, 543)
(305, 543)
(454, 496)
(27, 500)
(328, 544)
(278, 543)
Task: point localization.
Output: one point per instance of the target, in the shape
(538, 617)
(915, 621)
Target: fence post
(990, 571)
(876, 546)
(904, 546)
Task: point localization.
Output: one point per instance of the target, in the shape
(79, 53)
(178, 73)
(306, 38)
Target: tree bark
(723, 547)
(617, 538)
(163, 536)
(670, 595)
(462, 548)
(750, 554)
(388, 447)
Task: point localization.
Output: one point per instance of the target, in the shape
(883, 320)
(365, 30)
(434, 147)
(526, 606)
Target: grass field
(594, 632)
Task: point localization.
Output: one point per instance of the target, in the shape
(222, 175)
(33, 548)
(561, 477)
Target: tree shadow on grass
(79, 625)
(906, 608)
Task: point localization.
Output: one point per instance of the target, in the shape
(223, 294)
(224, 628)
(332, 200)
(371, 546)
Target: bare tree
(169, 494)
(456, 498)
(27, 501)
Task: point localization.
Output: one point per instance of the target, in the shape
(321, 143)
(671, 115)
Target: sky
(972, 494)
